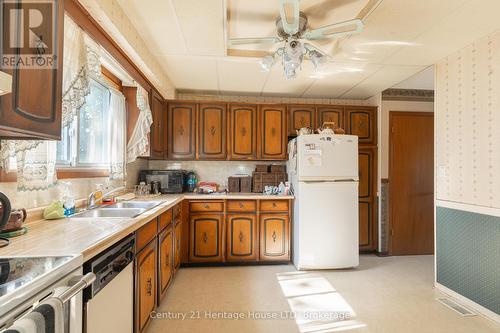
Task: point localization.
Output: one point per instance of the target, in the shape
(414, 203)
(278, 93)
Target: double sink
(126, 209)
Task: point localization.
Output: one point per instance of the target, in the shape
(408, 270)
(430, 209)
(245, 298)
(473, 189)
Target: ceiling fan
(292, 30)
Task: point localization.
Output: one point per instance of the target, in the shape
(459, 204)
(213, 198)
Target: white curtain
(138, 144)
(117, 144)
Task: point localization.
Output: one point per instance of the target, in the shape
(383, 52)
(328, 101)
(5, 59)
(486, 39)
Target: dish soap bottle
(191, 181)
(68, 199)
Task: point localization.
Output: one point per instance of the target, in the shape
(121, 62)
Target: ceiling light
(318, 59)
(5, 83)
(266, 63)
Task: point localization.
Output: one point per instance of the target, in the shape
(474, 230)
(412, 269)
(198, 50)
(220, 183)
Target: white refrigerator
(323, 170)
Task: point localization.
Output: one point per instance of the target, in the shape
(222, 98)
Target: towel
(52, 310)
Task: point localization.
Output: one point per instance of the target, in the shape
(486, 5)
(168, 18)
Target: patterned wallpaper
(468, 124)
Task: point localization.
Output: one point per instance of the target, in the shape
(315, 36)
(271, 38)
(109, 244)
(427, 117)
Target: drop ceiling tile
(277, 84)
(240, 74)
(191, 73)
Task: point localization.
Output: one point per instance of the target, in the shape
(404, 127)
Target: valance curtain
(138, 144)
(117, 144)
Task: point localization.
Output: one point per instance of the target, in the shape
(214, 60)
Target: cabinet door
(273, 132)
(34, 108)
(165, 261)
(362, 121)
(333, 114)
(177, 245)
(212, 131)
(274, 237)
(301, 116)
(145, 285)
(242, 237)
(158, 147)
(365, 225)
(366, 173)
(181, 130)
(206, 238)
(243, 136)
(367, 160)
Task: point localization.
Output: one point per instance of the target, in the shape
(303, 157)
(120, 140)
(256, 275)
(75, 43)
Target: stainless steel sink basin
(110, 213)
(134, 204)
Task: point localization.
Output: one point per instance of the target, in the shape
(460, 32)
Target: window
(85, 143)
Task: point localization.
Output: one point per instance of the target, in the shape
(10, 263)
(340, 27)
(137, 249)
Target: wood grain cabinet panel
(34, 108)
(243, 132)
(241, 206)
(365, 224)
(146, 285)
(212, 131)
(366, 176)
(158, 134)
(362, 121)
(273, 132)
(177, 245)
(274, 237)
(165, 261)
(206, 238)
(301, 116)
(181, 130)
(367, 159)
(333, 114)
(242, 237)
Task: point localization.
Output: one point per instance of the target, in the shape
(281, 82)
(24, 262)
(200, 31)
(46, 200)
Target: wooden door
(206, 238)
(243, 136)
(146, 262)
(273, 138)
(333, 114)
(157, 135)
(34, 108)
(411, 183)
(181, 130)
(362, 121)
(242, 237)
(177, 245)
(367, 166)
(301, 116)
(165, 261)
(274, 237)
(212, 131)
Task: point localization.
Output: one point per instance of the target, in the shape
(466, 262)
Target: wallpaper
(468, 124)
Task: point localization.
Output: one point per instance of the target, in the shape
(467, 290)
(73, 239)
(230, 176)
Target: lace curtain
(138, 144)
(117, 144)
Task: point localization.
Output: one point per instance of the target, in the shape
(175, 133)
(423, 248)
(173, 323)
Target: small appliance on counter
(171, 181)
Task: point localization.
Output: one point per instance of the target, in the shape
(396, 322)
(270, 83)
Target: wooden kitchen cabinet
(146, 285)
(34, 108)
(158, 129)
(367, 164)
(206, 238)
(242, 237)
(243, 132)
(274, 237)
(333, 114)
(362, 121)
(212, 132)
(165, 260)
(273, 139)
(301, 116)
(177, 245)
(181, 130)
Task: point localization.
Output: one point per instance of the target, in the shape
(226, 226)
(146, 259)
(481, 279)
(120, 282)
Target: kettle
(5, 210)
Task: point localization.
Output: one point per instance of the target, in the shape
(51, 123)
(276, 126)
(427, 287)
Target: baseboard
(382, 254)
(468, 303)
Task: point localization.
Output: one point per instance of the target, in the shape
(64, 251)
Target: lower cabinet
(242, 237)
(206, 238)
(177, 245)
(274, 240)
(165, 261)
(145, 285)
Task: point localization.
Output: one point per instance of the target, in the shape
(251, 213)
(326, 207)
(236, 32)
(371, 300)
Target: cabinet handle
(243, 131)
(241, 205)
(181, 130)
(167, 259)
(274, 204)
(205, 237)
(149, 286)
(274, 236)
(206, 206)
(241, 237)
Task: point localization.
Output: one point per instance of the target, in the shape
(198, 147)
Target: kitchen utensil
(4, 216)
(304, 130)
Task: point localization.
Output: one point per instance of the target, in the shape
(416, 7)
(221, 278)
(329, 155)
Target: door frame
(392, 114)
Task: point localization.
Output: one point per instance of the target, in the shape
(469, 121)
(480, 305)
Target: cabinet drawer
(274, 206)
(206, 206)
(165, 220)
(242, 206)
(146, 233)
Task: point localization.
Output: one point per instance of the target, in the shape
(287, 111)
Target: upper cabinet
(243, 132)
(212, 132)
(33, 109)
(273, 138)
(158, 133)
(301, 116)
(332, 114)
(362, 121)
(181, 130)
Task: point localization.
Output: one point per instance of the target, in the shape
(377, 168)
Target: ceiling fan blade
(335, 30)
(258, 40)
(289, 12)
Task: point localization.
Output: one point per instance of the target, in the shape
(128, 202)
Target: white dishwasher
(109, 302)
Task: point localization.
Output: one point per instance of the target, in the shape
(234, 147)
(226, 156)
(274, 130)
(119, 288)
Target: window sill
(64, 173)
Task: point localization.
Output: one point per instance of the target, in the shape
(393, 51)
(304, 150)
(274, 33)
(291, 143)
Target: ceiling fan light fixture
(318, 59)
(266, 63)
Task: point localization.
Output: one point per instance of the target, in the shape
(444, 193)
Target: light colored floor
(383, 295)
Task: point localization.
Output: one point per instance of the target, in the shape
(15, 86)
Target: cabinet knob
(274, 204)
(206, 206)
(205, 237)
(167, 260)
(149, 286)
(274, 236)
(241, 237)
(241, 205)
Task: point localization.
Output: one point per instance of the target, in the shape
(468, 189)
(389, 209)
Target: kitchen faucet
(97, 196)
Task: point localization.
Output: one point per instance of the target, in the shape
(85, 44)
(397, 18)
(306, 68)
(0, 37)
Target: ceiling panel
(277, 84)
(191, 73)
(422, 80)
(240, 74)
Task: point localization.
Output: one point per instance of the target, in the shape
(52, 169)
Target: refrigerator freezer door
(327, 157)
(326, 226)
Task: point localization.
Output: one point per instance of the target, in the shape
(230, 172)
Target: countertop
(89, 237)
